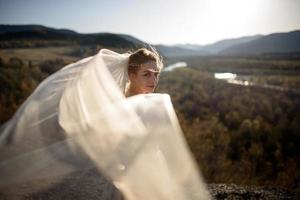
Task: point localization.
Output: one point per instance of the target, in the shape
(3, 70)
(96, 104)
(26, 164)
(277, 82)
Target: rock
(236, 192)
(91, 185)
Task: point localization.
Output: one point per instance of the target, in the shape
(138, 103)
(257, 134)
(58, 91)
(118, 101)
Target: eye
(147, 74)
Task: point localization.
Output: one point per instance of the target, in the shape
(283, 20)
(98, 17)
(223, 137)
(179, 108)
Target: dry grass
(38, 54)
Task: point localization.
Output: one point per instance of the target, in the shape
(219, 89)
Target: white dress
(79, 119)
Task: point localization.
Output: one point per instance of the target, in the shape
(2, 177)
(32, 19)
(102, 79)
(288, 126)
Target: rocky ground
(235, 192)
(90, 185)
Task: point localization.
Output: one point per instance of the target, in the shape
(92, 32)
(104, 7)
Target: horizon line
(174, 44)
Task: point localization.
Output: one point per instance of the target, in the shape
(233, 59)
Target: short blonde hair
(142, 56)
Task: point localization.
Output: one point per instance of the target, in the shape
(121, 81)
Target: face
(145, 80)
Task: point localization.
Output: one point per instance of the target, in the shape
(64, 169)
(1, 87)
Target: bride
(101, 112)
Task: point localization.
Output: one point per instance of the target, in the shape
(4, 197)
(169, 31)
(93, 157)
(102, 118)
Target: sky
(159, 21)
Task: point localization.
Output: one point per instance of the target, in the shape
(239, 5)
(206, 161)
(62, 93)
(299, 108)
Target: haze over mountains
(21, 36)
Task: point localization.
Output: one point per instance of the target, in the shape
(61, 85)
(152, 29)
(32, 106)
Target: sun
(231, 18)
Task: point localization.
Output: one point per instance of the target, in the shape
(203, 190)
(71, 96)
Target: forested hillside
(238, 134)
(244, 135)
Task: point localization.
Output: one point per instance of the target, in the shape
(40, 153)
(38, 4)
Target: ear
(132, 76)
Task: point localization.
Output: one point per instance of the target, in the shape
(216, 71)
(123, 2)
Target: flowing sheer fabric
(79, 118)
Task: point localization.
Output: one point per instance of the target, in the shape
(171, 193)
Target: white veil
(79, 118)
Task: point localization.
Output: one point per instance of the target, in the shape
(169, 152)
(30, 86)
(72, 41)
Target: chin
(148, 91)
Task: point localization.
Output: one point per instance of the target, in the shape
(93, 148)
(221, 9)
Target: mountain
(18, 36)
(224, 44)
(179, 50)
(189, 46)
(199, 50)
(23, 28)
(276, 43)
(270, 44)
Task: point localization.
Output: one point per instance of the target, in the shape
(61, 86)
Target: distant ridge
(199, 50)
(23, 28)
(16, 36)
(219, 46)
(274, 43)
(175, 51)
(20, 36)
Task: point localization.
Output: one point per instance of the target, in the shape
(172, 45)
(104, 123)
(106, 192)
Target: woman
(80, 117)
(144, 68)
